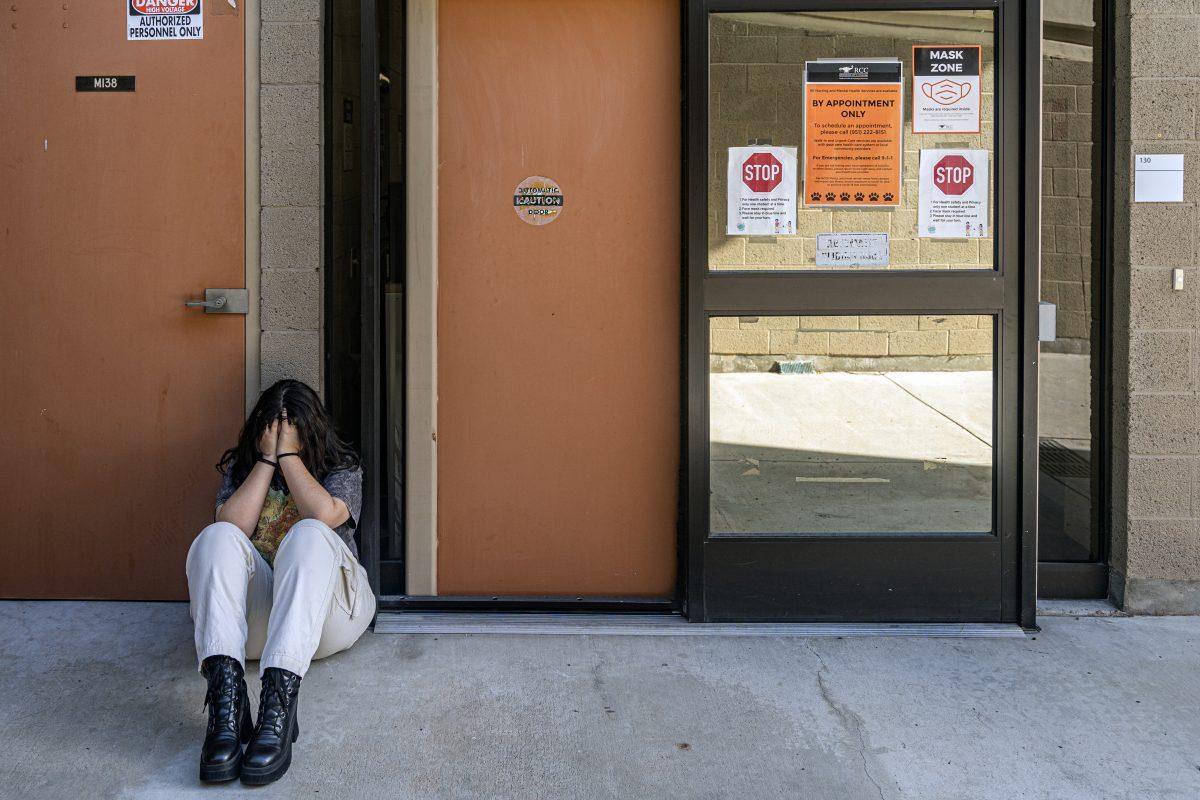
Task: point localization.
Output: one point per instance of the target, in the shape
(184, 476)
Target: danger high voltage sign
(165, 19)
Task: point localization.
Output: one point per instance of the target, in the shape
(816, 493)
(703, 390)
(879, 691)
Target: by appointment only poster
(853, 121)
(761, 199)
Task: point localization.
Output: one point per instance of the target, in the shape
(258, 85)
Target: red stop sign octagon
(953, 175)
(762, 172)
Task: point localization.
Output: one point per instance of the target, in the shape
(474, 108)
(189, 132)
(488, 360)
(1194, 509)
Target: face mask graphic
(946, 91)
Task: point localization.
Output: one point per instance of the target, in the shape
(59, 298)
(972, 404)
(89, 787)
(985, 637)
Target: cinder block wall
(757, 84)
(893, 342)
(1156, 426)
(1067, 200)
(291, 193)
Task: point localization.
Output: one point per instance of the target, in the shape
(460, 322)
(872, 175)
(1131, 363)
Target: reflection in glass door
(812, 439)
(1071, 410)
(857, 286)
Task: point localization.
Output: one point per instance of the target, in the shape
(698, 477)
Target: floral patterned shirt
(279, 512)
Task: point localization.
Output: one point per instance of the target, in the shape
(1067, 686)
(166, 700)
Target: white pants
(315, 602)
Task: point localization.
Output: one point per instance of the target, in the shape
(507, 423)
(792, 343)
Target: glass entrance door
(860, 358)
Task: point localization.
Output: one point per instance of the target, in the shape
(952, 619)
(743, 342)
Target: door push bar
(222, 301)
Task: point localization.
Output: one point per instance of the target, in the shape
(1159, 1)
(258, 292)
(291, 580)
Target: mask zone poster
(946, 90)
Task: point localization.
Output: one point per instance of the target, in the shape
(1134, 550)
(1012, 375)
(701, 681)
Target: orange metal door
(115, 400)
(558, 345)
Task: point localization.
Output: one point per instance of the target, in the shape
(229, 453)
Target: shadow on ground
(756, 489)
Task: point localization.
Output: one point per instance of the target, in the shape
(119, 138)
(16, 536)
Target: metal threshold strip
(669, 625)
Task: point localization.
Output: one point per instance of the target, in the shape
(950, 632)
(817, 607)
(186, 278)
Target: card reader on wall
(1047, 321)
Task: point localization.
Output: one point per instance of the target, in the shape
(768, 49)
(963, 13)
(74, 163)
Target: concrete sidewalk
(880, 452)
(102, 700)
(873, 451)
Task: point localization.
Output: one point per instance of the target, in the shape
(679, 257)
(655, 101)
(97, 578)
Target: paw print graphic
(859, 197)
(844, 197)
(830, 196)
(888, 196)
(815, 196)
(874, 197)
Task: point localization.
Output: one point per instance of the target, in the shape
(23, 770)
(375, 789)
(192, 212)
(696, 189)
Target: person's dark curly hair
(322, 450)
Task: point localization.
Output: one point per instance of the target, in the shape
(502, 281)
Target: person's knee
(217, 541)
(307, 539)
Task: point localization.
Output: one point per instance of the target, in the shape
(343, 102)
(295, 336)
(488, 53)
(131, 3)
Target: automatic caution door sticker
(853, 122)
(165, 19)
(946, 95)
(538, 200)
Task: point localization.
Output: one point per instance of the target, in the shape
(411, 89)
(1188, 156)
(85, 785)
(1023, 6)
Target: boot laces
(273, 706)
(221, 697)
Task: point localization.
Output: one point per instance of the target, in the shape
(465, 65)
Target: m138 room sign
(105, 83)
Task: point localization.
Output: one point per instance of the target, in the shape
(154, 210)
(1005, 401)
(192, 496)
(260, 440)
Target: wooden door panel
(117, 207)
(558, 345)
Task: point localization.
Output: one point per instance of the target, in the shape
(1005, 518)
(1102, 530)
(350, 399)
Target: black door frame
(1014, 301)
(1089, 579)
(334, 372)
(371, 518)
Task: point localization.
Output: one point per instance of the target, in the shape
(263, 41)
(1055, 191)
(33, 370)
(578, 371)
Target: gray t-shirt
(279, 512)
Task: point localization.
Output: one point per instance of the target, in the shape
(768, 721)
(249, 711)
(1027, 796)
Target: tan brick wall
(1067, 199)
(757, 81)
(873, 336)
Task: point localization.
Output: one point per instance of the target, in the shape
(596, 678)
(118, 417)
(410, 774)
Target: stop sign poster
(946, 88)
(953, 200)
(853, 122)
(761, 194)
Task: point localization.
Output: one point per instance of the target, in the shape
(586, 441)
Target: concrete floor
(839, 451)
(101, 700)
(1064, 398)
(870, 451)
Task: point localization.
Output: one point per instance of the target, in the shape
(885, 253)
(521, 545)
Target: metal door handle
(222, 301)
(218, 303)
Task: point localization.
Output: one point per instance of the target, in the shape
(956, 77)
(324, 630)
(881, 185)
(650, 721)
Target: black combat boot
(229, 721)
(269, 753)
